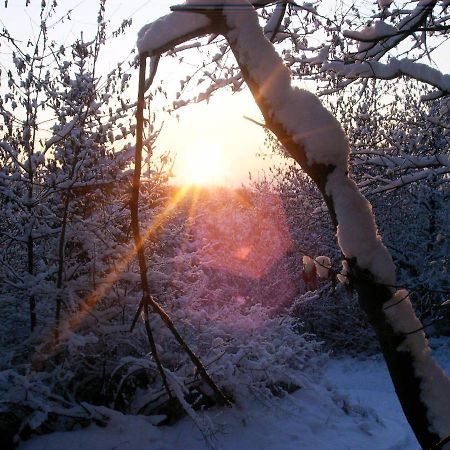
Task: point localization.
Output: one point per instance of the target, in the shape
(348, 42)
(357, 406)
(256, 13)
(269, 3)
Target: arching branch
(315, 139)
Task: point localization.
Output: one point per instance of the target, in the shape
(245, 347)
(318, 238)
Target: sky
(218, 128)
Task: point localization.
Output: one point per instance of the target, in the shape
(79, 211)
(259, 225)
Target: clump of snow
(273, 24)
(161, 35)
(357, 232)
(434, 384)
(369, 36)
(372, 32)
(393, 69)
(320, 58)
(62, 132)
(300, 112)
(323, 266)
(75, 341)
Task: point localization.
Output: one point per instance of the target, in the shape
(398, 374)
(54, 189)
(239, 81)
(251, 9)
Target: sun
(202, 163)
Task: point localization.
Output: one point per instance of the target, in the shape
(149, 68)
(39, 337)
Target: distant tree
(65, 152)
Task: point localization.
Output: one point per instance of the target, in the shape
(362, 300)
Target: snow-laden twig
(393, 69)
(412, 178)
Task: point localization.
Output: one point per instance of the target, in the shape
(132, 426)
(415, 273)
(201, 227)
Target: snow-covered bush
(335, 319)
(225, 278)
(224, 302)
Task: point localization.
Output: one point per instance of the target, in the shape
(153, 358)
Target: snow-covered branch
(171, 30)
(410, 178)
(315, 139)
(406, 161)
(393, 69)
(376, 40)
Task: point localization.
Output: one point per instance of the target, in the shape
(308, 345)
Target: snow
(411, 178)
(371, 34)
(362, 413)
(163, 34)
(407, 161)
(312, 125)
(320, 58)
(304, 117)
(62, 133)
(300, 112)
(384, 37)
(273, 24)
(323, 141)
(314, 128)
(357, 232)
(393, 69)
(434, 384)
(323, 266)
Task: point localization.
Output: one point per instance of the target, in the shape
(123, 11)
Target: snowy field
(362, 413)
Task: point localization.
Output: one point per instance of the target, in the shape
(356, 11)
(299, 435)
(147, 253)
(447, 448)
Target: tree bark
(372, 295)
(417, 378)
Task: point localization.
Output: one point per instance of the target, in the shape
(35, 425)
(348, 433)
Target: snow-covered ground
(354, 408)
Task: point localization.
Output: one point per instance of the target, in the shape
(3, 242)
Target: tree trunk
(403, 356)
(61, 261)
(321, 149)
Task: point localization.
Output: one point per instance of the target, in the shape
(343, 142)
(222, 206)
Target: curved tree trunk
(405, 360)
(315, 139)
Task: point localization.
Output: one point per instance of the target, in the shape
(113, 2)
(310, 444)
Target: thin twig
(134, 210)
(147, 298)
(441, 444)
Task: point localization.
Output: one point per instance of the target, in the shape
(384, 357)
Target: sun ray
(106, 284)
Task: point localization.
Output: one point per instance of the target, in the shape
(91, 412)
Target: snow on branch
(412, 178)
(393, 69)
(184, 23)
(316, 140)
(376, 40)
(173, 29)
(273, 24)
(407, 161)
(316, 136)
(435, 385)
(376, 43)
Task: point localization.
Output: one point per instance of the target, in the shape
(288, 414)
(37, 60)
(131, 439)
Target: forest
(307, 308)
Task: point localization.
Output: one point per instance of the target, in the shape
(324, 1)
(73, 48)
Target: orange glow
(105, 284)
(243, 252)
(203, 163)
(247, 243)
